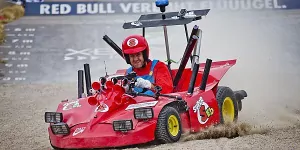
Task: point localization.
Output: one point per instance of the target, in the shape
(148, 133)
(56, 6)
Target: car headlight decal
(123, 125)
(143, 113)
(60, 129)
(53, 117)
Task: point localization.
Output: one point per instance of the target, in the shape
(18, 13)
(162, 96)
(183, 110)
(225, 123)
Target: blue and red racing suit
(157, 73)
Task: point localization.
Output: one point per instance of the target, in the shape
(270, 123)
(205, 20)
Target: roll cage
(164, 19)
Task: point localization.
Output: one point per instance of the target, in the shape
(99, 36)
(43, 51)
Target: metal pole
(205, 74)
(111, 43)
(188, 51)
(196, 53)
(143, 31)
(80, 83)
(186, 33)
(88, 79)
(167, 46)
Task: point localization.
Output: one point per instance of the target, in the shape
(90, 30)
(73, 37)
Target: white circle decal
(132, 42)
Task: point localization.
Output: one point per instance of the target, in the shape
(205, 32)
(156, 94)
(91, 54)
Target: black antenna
(105, 69)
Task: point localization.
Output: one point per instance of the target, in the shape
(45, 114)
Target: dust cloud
(266, 48)
(230, 130)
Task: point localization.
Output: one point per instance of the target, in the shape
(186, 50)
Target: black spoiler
(171, 19)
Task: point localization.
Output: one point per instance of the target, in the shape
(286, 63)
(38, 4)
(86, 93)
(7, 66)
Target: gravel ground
(22, 124)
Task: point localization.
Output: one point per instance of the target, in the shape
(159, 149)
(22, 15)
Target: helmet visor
(133, 50)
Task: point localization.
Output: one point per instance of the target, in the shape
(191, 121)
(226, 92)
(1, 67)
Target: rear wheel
(168, 127)
(228, 105)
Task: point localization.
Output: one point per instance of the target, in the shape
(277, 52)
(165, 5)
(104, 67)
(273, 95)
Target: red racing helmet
(134, 44)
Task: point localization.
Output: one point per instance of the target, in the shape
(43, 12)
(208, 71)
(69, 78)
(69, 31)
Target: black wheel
(168, 129)
(228, 105)
(55, 148)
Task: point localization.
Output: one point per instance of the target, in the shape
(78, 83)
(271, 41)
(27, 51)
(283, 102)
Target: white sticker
(132, 42)
(204, 112)
(78, 130)
(187, 15)
(140, 105)
(136, 23)
(70, 105)
(190, 15)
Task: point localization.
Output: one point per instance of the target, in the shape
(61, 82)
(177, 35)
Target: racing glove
(142, 83)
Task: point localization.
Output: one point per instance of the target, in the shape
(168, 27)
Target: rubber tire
(162, 133)
(55, 148)
(222, 93)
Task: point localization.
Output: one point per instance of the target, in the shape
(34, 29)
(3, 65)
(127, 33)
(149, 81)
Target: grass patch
(7, 15)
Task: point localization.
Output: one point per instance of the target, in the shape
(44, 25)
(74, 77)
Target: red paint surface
(99, 133)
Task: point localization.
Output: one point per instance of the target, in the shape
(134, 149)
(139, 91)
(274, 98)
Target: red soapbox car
(110, 116)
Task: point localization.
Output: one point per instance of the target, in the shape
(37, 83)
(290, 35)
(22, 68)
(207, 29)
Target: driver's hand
(142, 83)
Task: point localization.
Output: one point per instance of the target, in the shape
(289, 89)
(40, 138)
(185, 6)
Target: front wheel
(168, 129)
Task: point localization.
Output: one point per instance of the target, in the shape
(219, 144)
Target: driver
(149, 73)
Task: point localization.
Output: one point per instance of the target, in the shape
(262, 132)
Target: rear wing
(167, 19)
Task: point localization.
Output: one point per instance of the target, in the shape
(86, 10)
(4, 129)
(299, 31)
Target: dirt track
(267, 69)
(22, 123)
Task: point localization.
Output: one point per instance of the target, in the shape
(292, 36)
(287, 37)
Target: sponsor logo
(136, 23)
(119, 7)
(78, 130)
(71, 105)
(204, 112)
(102, 108)
(140, 105)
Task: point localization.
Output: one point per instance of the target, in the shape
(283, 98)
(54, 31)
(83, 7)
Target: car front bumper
(103, 136)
